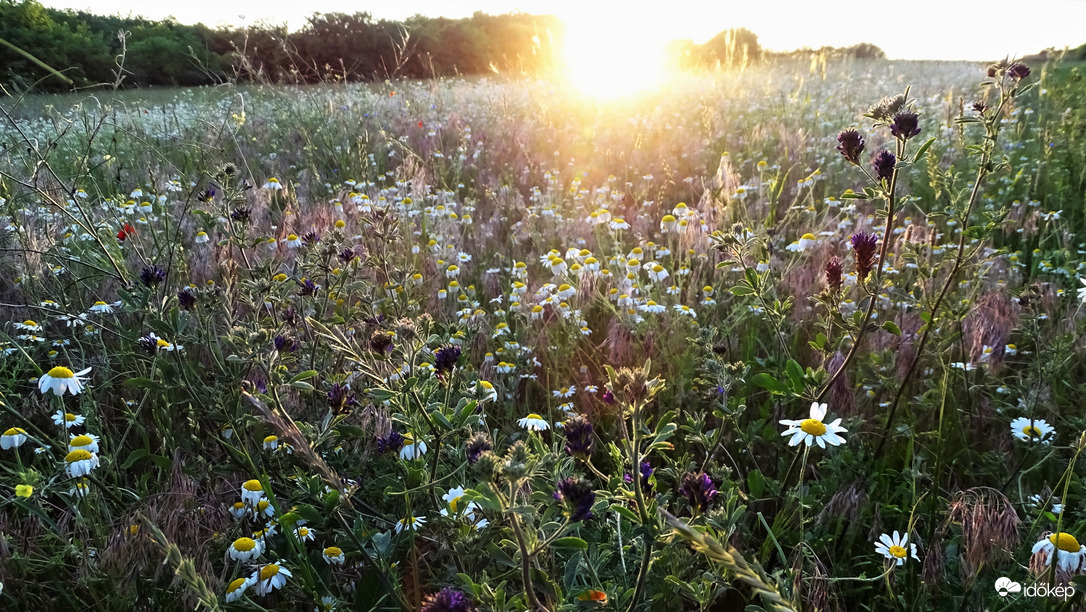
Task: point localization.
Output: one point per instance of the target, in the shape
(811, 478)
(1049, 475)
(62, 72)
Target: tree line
(91, 50)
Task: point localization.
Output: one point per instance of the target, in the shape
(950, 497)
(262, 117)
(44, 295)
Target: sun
(611, 56)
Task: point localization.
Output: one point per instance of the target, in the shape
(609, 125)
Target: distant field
(495, 344)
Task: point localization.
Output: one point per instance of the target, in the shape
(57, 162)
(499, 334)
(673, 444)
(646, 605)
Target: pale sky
(920, 29)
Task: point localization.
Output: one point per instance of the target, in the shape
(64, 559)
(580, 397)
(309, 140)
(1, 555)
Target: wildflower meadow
(788, 336)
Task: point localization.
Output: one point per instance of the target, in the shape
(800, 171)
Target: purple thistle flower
(905, 125)
(851, 144)
(476, 446)
(833, 274)
(646, 472)
(447, 600)
(241, 213)
(864, 247)
(445, 359)
(311, 238)
(151, 276)
(391, 442)
(579, 497)
(579, 436)
(698, 489)
(186, 298)
(884, 165)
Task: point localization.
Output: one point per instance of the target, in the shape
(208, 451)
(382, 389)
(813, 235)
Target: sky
(919, 29)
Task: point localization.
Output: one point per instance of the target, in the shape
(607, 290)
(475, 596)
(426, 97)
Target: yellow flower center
(99, 303)
(303, 532)
(237, 584)
(82, 454)
(262, 505)
(60, 372)
(252, 485)
(29, 323)
(453, 502)
(81, 441)
(268, 571)
(897, 551)
(69, 417)
(271, 439)
(1065, 542)
(813, 427)
(15, 431)
(292, 237)
(1031, 431)
(807, 237)
(244, 544)
(535, 416)
(162, 343)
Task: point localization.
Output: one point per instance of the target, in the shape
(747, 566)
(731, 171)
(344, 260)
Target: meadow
(798, 336)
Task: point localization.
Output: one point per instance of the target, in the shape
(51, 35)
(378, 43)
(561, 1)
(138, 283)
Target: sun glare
(608, 57)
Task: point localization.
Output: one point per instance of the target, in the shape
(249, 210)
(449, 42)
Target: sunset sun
(608, 57)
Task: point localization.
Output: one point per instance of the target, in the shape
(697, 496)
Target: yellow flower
(24, 491)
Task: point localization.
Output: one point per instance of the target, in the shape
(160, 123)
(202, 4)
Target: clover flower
(447, 600)
(580, 437)
(851, 145)
(390, 442)
(152, 275)
(698, 489)
(477, 444)
(864, 247)
(646, 473)
(578, 496)
(905, 125)
(445, 359)
(833, 274)
(883, 165)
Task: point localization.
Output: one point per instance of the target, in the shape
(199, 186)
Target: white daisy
(68, 419)
(410, 523)
(252, 492)
(81, 462)
(533, 422)
(1066, 547)
(270, 577)
(273, 183)
(244, 550)
(13, 438)
(237, 588)
(61, 379)
(894, 548)
(814, 430)
(1032, 430)
(412, 449)
(88, 442)
(333, 555)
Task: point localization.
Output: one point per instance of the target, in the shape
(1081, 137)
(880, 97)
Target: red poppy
(420, 124)
(126, 231)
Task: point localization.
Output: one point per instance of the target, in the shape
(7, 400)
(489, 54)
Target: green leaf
(769, 383)
(306, 375)
(625, 512)
(891, 327)
(741, 290)
(923, 150)
(755, 483)
(795, 375)
(143, 383)
(570, 543)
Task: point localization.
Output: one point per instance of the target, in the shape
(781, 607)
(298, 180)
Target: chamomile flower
(412, 449)
(271, 442)
(28, 325)
(410, 523)
(80, 489)
(244, 550)
(270, 577)
(293, 241)
(813, 429)
(239, 510)
(305, 534)
(61, 379)
(252, 492)
(202, 237)
(88, 442)
(805, 242)
(565, 391)
(1065, 547)
(334, 555)
(237, 588)
(13, 438)
(534, 422)
(81, 462)
(101, 307)
(894, 548)
(619, 224)
(1032, 430)
(273, 183)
